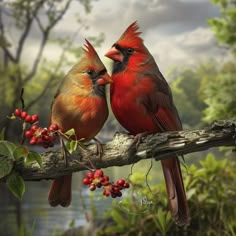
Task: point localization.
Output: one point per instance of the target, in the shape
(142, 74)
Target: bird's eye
(130, 50)
(89, 72)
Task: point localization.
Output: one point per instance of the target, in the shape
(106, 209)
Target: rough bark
(121, 151)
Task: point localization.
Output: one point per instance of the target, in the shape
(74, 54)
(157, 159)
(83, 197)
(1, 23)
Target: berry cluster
(97, 179)
(37, 135)
(42, 136)
(27, 118)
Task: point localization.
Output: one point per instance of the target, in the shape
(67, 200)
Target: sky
(175, 31)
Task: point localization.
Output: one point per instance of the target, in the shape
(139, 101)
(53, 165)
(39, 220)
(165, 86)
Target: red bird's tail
(60, 191)
(175, 190)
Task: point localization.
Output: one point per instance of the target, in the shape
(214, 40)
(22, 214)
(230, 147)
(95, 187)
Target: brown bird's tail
(175, 189)
(60, 191)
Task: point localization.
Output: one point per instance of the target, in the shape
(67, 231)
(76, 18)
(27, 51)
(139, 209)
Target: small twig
(24, 124)
(88, 217)
(23, 132)
(22, 99)
(131, 170)
(146, 176)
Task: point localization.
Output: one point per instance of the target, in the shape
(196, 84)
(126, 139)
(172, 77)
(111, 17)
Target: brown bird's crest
(89, 49)
(91, 56)
(131, 35)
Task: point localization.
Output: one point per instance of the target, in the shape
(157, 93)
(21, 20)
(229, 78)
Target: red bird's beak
(114, 54)
(104, 79)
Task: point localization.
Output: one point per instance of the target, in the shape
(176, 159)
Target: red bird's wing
(159, 104)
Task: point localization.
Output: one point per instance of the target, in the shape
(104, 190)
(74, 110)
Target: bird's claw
(138, 139)
(99, 148)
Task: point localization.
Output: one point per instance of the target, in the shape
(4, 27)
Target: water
(34, 209)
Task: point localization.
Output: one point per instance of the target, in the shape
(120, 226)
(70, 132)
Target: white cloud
(175, 31)
(183, 49)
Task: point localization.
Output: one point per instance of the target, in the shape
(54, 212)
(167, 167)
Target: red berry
(53, 127)
(35, 118)
(92, 187)
(90, 174)
(44, 131)
(39, 141)
(105, 178)
(99, 185)
(113, 195)
(34, 128)
(45, 138)
(115, 188)
(28, 119)
(29, 133)
(106, 193)
(86, 181)
(120, 187)
(23, 114)
(126, 185)
(120, 182)
(17, 112)
(98, 173)
(119, 194)
(33, 140)
(105, 183)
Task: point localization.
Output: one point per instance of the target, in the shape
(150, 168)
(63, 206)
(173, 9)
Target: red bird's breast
(127, 97)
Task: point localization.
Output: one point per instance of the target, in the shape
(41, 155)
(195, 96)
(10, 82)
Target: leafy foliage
(225, 27)
(9, 154)
(211, 193)
(219, 93)
(185, 89)
(26, 19)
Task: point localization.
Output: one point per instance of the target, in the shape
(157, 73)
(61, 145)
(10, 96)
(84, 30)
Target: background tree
(224, 27)
(19, 21)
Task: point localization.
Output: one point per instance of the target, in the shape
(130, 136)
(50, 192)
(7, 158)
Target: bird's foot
(99, 148)
(65, 152)
(138, 139)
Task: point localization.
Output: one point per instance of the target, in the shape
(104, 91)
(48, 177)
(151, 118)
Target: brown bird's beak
(114, 54)
(104, 79)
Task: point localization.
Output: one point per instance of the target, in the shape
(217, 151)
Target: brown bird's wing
(161, 108)
(60, 190)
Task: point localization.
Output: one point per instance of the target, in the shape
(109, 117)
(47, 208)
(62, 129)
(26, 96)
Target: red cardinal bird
(141, 100)
(80, 103)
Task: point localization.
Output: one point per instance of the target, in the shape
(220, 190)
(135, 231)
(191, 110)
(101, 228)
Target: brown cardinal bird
(141, 100)
(80, 103)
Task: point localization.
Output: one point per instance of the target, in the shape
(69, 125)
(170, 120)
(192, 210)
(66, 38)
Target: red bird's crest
(131, 35)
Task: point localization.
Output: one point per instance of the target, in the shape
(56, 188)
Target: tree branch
(7, 53)
(29, 21)
(45, 36)
(120, 151)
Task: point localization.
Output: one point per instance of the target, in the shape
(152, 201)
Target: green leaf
(70, 132)
(6, 158)
(6, 165)
(32, 157)
(7, 149)
(72, 146)
(16, 184)
(20, 152)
